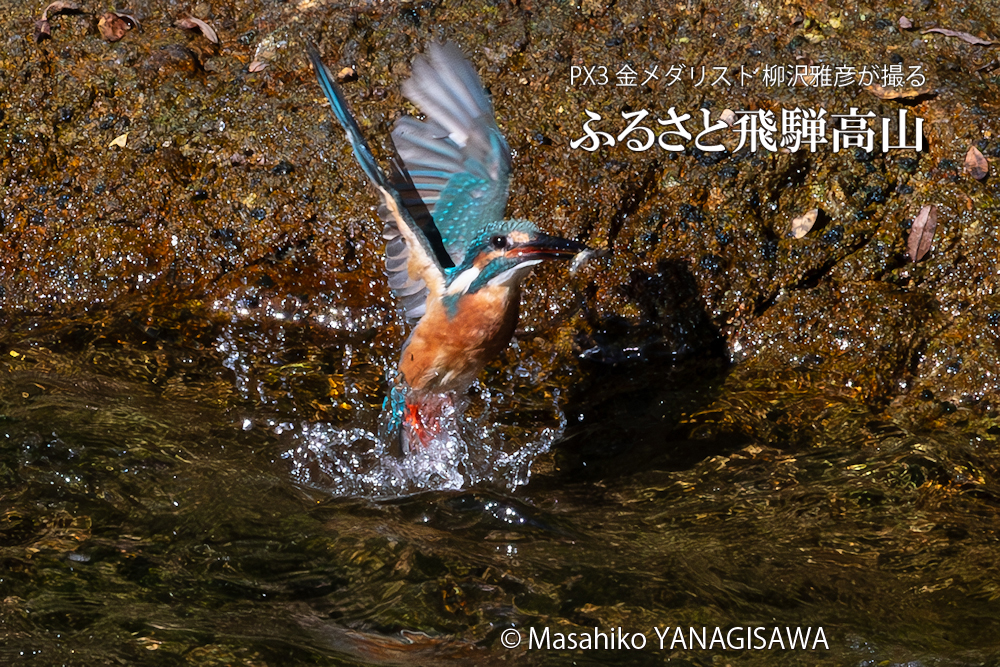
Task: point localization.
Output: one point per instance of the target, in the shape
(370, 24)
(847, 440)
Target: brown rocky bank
(235, 195)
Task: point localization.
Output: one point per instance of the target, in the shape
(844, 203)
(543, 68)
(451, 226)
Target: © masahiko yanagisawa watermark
(667, 638)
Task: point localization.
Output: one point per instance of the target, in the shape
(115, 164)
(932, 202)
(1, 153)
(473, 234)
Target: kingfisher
(454, 263)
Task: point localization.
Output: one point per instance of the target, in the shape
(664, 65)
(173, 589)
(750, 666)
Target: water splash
(471, 448)
(489, 438)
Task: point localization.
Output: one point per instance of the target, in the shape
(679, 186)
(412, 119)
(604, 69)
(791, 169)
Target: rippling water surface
(195, 491)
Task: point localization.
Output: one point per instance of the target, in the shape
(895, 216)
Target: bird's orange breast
(446, 351)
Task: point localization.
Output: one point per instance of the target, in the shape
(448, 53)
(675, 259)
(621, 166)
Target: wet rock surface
(758, 430)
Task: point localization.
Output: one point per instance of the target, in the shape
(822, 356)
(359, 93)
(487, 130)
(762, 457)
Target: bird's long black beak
(543, 246)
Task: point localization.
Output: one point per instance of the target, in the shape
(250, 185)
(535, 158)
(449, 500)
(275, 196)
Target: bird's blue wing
(411, 260)
(455, 173)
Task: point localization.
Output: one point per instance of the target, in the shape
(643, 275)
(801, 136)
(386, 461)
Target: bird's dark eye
(499, 242)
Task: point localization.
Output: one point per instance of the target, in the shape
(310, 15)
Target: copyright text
(671, 638)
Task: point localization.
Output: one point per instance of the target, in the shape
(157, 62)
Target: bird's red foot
(422, 421)
(417, 434)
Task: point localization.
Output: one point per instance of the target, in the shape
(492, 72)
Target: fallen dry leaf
(59, 6)
(905, 23)
(922, 233)
(111, 27)
(131, 20)
(256, 66)
(728, 116)
(964, 36)
(976, 164)
(802, 224)
(119, 141)
(346, 74)
(191, 23)
(897, 93)
(43, 28)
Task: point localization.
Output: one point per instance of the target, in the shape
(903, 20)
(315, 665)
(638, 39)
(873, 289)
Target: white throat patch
(514, 273)
(463, 281)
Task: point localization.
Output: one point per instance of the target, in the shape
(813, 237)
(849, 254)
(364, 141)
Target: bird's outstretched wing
(411, 260)
(455, 174)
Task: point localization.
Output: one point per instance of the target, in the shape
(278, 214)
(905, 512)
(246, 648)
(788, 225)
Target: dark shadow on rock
(641, 380)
